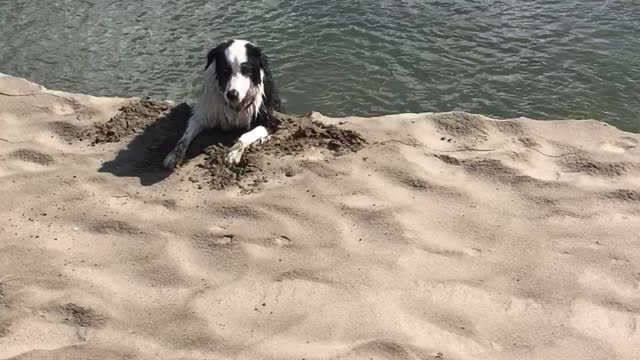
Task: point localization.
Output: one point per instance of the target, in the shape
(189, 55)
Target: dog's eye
(223, 69)
(245, 69)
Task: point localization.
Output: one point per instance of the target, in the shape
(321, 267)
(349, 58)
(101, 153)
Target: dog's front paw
(264, 140)
(235, 154)
(172, 160)
(176, 156)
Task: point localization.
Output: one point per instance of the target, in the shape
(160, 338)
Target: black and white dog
(238, 93)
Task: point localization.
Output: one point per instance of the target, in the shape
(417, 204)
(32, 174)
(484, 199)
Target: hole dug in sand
(157, 127)
(295, 136)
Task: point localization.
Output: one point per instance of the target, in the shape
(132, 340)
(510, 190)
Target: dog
(238, 94)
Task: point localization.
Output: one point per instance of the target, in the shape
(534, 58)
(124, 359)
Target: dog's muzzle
(232, 96)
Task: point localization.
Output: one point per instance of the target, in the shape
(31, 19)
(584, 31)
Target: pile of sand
(412, 236)
(158, 126)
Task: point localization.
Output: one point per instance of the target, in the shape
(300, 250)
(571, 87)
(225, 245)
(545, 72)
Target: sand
(411, 236)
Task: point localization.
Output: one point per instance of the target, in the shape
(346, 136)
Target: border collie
(238, 94)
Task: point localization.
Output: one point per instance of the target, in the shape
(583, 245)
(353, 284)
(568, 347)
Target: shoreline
(443, 235)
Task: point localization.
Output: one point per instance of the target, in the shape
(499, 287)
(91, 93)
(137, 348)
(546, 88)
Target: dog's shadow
(143, 156)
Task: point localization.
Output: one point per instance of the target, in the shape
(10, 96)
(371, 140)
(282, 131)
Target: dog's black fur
(257, 60)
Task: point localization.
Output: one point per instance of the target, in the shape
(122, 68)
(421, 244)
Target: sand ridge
(442, 236)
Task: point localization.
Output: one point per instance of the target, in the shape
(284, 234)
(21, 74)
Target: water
(538, 58)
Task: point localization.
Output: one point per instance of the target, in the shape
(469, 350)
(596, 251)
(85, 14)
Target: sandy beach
(409, 236)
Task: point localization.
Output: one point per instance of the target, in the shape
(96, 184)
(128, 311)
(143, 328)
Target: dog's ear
(264, 61)
(215, 52)
(212, 55)
(264, 65)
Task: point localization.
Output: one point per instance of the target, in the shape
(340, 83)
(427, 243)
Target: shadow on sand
(143, 156)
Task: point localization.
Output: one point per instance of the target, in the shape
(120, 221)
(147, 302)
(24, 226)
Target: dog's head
(240, 69)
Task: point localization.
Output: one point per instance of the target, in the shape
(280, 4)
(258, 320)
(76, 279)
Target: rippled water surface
(536, 58)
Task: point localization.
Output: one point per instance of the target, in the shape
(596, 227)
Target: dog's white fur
(215, 110)
(236, 54)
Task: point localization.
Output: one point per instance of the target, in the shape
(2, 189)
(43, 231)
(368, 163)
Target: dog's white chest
(236, 119)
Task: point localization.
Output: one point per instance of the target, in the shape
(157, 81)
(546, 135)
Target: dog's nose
(232, 95)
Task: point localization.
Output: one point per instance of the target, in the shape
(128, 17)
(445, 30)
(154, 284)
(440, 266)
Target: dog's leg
(258, 134)
(195, 126)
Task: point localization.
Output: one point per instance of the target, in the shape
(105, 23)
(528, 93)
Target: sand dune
(446, 236)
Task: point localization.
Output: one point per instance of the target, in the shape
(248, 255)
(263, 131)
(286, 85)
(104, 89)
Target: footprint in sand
(113, 226)
(282, 241)
(32, 156)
